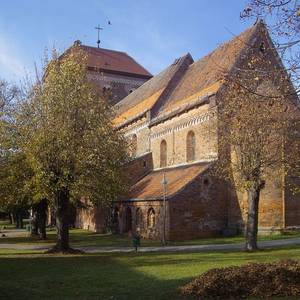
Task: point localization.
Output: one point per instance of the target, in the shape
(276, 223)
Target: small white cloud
(9, 60)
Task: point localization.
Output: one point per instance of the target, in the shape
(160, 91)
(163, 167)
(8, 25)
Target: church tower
(116, 73)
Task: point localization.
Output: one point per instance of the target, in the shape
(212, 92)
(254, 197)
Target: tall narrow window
(151, 218)
(133, 145)
(138, 218)
(163, 154)
(190, 146)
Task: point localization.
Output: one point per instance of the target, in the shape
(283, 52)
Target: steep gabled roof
(113, 61)
(150, 186)
(199, 80)
(204, 77)
(145, 97)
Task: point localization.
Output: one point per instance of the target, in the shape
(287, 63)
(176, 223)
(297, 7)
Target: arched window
(128, 220)
(163, 154)
(138, 218)
(190, 146)
(133, 145)
(151, 218)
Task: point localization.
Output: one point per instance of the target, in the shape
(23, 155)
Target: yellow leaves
(72, 143)
(252, 126)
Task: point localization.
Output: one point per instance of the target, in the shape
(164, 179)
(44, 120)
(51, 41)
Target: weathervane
(98, 28)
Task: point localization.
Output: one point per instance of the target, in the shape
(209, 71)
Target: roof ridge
(137, 63)
(182, 65)
(217, 60)
(149, 81)
(253, 29)
(182, 166)
(181, 78)
(181, 176)
(223, 44)
(128, 99)
(106, 49)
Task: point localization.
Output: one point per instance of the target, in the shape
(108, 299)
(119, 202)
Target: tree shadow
(82, 277)
(114, 276)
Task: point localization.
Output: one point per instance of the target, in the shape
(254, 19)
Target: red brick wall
(92, 218)
(138, 168)
(142, 228)
(199, 210)
(292, 203)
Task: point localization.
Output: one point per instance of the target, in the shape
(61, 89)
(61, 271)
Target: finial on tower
(77, 43)
(98, 28)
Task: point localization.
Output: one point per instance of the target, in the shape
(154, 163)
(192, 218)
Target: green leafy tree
(15, 194)
(70, 141)
(258, 128)
(14, 169)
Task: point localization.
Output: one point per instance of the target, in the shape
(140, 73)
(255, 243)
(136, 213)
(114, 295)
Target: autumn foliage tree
(262, 146)
(14, 169)
(282, 18)
(70, 141)
(258, 126)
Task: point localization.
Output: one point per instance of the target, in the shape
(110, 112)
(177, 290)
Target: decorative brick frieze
(136, 129)
(183, 125)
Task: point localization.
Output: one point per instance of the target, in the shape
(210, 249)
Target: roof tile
(150, 186)
(111, 60)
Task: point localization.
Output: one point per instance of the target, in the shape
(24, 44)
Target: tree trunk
(42, 212)
(252, 220)
(17, 218)
(62, 224)
(14, 219)
(21, 220)
(10, 218)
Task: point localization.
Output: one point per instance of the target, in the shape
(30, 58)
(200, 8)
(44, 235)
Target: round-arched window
(151, 218)
(190, 146)
(163, 154)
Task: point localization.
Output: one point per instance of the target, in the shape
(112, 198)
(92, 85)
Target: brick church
(167, 119)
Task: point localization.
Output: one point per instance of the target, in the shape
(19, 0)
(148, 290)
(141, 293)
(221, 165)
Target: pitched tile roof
(201, 78)
(204, 76)
(140, 108)
(111, 60)
(150, 186)
(144, 98)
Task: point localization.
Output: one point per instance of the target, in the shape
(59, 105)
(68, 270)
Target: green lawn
(114, 276)
(79, 237)
(33, 275)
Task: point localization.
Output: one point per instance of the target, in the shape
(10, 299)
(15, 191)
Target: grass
(5, 224)
(31, 275)
(79, 237)
(27, 274)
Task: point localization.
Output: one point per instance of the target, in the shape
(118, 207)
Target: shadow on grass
(115, 276)
(82, 277)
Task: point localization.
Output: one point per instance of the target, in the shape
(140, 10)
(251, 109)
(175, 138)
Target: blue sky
(154, 32)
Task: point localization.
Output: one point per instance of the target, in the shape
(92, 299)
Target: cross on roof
(98, 28)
